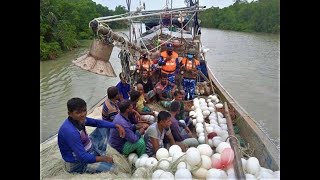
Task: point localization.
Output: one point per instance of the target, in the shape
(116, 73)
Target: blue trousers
(171, 78)
(189, 86)
(99, 146)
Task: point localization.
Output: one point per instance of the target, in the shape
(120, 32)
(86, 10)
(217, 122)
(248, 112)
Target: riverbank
(56, 55)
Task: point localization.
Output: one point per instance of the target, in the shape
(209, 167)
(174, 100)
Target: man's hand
(188, 132)
(141, 130)
(138, 117)
(104, 159)
(145, 126)
(122, 132)
(108, 159)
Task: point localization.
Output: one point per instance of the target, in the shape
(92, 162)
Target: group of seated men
(122, 128)
(128, 124)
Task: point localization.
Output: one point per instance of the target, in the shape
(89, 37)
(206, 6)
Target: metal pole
(146, 15)
(128, 4)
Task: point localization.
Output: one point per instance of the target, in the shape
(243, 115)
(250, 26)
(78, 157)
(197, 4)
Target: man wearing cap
(169, 62)
(189, 68)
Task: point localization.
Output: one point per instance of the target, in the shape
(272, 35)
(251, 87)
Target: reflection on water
(246, 64)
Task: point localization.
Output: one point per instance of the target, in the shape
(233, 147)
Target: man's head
(77, 109)
(134, 96)
(175, 107)
(123, 78)
(125, 106)
(140, 88)
(178, 95)
(169, 49)
(144, 74)
(113, 92)
(144, 56)
(164, 119)
(164, 79)
(191, 53)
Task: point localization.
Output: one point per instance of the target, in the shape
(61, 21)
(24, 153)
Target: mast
(128, 5)
(195, 19)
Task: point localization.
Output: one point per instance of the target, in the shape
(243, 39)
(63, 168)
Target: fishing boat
(146, 36)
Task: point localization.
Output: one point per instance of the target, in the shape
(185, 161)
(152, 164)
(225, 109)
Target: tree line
(64, 22)
(256, 16)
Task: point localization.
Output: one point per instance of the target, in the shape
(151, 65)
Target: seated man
(179, 96)
(146, 81)
(81, 152)
(123, 87)
(133, 140)
(179, 131)
(155, 133)
(143, 99)
(164, 90)
(110, 107)
(135, 97)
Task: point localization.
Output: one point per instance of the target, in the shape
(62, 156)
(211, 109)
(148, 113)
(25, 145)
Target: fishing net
(52, 164)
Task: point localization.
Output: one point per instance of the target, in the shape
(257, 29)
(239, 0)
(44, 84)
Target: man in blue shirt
(79, 150)
(123, 87)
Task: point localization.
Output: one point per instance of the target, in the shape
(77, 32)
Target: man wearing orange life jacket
(169, 62)
(189, 68)
(144, 63)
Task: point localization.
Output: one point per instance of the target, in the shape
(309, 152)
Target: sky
(159, 4)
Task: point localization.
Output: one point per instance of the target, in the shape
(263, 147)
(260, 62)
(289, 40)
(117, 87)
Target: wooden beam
(237, 163)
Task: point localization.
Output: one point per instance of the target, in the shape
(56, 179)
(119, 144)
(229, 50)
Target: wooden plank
(237, 163)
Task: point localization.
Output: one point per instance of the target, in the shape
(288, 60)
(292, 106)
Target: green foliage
(64, 22)
(49, 50)
(258, 16)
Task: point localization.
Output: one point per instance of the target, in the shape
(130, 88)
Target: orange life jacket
(170, 65)
(189, 67)
(144, 64)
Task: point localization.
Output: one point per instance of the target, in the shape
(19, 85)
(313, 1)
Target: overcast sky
(158, 4)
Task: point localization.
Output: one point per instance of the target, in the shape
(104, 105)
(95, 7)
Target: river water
(246, 64)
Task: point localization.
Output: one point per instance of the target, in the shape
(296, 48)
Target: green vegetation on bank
(64, 22)
(256, 16)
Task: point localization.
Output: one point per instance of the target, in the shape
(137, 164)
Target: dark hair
(134, 95)
(164, 75)
(175, 106)
(76, 104)
(163, 115)
(122, 75)
(175, 94)
(112, 92)
(124, 105)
